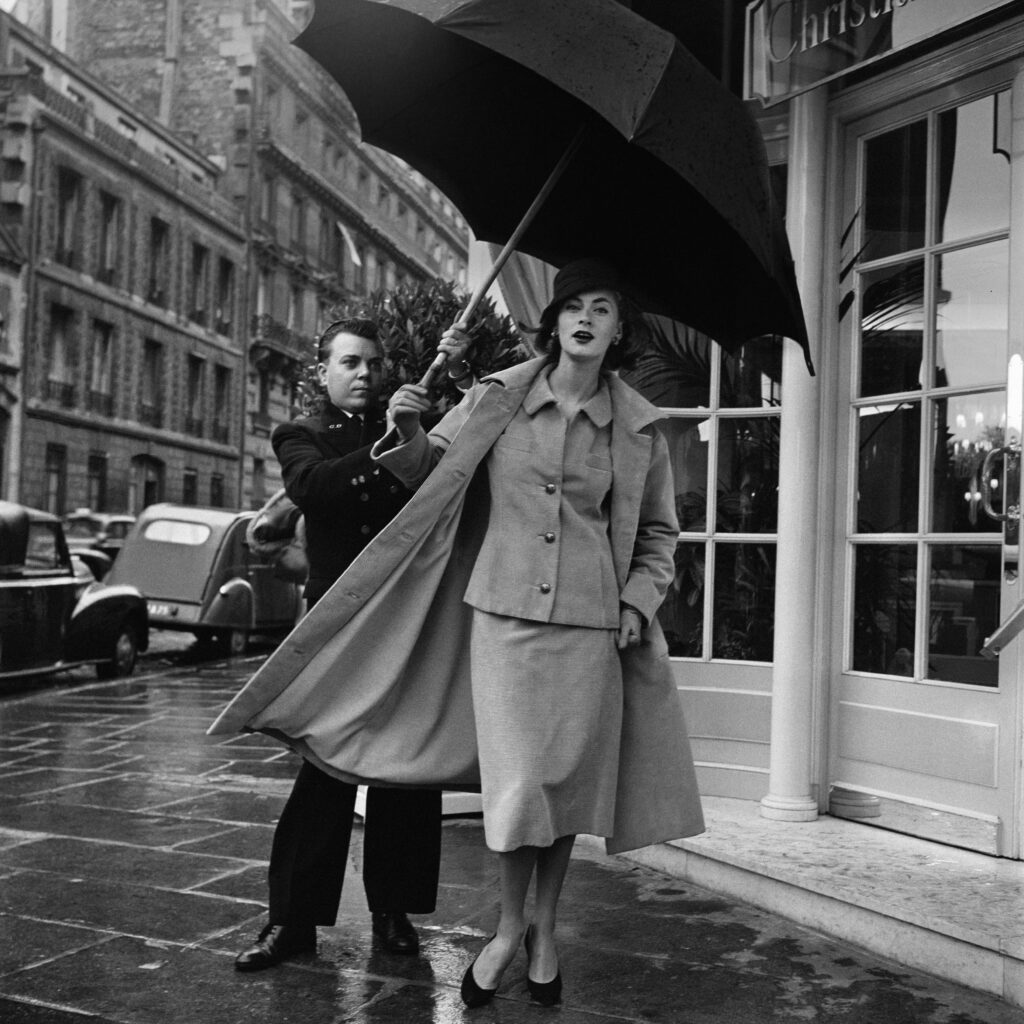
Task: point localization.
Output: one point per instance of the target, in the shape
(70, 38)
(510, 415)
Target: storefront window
(931, 356)
(885, 608)
(722, 427)
(892, 328)
(963, 609)
(974, 168)
(888, 466)
(895, 179)
(965, 429)
(972, 288)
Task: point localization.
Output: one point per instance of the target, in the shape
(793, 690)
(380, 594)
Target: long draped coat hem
(373, 685)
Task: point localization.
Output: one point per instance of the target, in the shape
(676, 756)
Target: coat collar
(629, 407)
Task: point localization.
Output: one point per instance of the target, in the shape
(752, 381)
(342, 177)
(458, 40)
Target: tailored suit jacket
(345, 497)
(374, 684)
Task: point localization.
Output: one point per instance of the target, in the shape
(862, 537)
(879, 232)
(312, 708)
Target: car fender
(232, 606)
(98, 614)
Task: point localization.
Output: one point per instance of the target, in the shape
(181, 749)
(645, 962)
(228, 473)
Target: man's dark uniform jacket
(346, 500)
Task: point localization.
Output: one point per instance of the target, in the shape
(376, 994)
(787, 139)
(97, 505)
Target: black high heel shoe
(473, 994)
(547, 993)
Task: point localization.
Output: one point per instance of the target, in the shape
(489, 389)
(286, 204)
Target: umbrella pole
(502, 258)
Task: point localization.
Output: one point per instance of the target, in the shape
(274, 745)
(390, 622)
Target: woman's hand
(630, 623)
(405, 408)
(454, 344)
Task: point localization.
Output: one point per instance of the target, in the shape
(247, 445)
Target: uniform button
(355, 481)
(550, 488)
(364, 496)
(394, 489)
(364, 529)
(549, 537)
(545, 588)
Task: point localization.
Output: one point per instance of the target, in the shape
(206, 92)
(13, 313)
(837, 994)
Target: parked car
(199, 576)
(54, 614)
(102, 532)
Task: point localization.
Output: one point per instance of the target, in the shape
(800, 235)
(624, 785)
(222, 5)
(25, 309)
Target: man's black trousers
(401, 849)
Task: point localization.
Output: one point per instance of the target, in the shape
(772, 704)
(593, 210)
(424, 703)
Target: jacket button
(550, 488)
(549, 537)
(364, 496)
(545, 588)
(364, 529)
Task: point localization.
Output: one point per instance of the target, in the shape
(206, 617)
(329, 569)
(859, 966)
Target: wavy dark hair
(621, 356)
(360, 326)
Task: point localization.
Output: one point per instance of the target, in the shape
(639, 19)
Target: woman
(501, 630)
(549, 612)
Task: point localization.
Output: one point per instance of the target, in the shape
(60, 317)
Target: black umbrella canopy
(670, 181)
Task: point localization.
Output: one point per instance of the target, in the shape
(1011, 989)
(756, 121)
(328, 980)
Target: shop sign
(793, 45)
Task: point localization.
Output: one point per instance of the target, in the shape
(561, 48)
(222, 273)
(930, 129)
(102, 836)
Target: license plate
(158, 610)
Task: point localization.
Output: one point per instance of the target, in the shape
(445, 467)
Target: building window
(199, 284)
(110, 237)
(225, 309)
(159, 261)
(196, 396)
(56, 479)
(268, 200)
(151, 407)
(295, 300)
(264, 293)
(190, 487)
(69, 217)
(101, 398)
(146, 486)
(263, 394)
(96, 481)
(61, 363)
(298, 228)
(217, 490)
(221, 403)
(259, 482)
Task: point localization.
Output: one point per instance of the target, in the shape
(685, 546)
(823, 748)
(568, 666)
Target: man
(346, 500)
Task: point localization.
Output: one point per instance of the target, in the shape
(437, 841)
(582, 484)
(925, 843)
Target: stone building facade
(325, 217)
(123, 370)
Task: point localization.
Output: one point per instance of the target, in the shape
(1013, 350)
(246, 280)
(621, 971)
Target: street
(133, 851)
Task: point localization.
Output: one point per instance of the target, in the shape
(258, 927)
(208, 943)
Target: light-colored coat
(374, 684)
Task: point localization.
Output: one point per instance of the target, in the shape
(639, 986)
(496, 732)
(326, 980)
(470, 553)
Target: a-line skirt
(547, 701)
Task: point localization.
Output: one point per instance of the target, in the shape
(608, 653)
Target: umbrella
(569, 128)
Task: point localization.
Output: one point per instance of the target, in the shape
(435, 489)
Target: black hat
(586, 275)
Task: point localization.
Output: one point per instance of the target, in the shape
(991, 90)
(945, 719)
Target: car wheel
(234, 641)
(124, 653)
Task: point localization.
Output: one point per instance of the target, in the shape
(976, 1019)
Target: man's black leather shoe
(396, 932)
(276, 942)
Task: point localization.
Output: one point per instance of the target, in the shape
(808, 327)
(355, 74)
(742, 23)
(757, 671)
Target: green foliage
(411, 320)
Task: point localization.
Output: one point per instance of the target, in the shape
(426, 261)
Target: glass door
(924, 727)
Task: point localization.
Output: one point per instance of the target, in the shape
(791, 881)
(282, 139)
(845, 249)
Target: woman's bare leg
(515, 869)
(552, 863)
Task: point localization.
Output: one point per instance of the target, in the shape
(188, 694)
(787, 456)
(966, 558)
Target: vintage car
(101, 532)
(54, 615)
(198, 575)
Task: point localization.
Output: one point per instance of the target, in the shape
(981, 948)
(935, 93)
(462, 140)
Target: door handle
(1011, 512)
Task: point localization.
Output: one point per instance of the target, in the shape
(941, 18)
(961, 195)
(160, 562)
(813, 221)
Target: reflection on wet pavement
(133, 856)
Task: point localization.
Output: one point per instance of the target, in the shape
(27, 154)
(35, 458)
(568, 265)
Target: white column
(790, 796)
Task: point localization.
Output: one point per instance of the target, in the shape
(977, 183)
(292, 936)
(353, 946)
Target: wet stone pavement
(132, 869)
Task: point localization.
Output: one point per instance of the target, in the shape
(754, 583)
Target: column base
(788, 808)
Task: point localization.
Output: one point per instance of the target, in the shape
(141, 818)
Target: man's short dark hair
(360, 326)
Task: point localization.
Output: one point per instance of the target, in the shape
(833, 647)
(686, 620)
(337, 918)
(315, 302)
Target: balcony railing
(220, 431)
(151, 415)
(101, 402)
(61, 393)
(194, 426)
